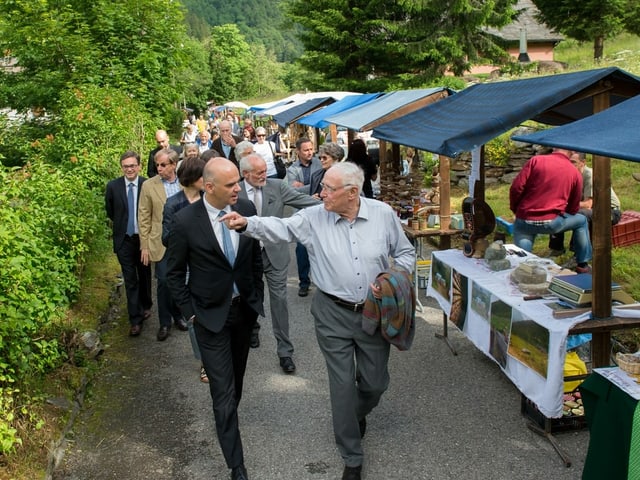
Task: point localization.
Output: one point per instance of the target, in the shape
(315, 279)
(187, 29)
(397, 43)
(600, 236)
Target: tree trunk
(598, 48)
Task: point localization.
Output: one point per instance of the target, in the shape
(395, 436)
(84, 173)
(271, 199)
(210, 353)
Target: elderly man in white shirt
(350, 240)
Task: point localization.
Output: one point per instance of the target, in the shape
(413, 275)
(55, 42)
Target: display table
(521, 336)
(610, 398)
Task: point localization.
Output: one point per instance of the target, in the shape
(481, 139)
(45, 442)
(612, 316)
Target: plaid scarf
(395, 312)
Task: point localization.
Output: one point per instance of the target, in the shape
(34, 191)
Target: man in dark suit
(271, 195)
(226, 142)
(162, 139)
(223, 296)
(118, 203)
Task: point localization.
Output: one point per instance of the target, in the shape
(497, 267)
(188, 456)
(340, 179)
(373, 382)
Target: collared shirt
(345, 256)
(251, 193)
(213, 213)
(171, 188)
(226, 149)
(135, 200)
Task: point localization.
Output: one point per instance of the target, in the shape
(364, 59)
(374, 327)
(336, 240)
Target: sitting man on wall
(545, 198)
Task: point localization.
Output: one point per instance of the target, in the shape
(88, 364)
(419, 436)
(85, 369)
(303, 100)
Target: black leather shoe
(163, 334)
(303, 291)
(255, 340)
(287, 365)
(352, 473)
(240, 473)
(363, 426)
(135, 330)
(181, 324)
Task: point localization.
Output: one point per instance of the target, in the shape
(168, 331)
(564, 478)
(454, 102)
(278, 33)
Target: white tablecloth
(522, 337)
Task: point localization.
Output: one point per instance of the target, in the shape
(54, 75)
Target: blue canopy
(481, 112)
(614, 132)
(390, 105)
(290, 115)
(318, 118)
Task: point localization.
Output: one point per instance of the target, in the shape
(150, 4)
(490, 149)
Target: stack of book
(577, 289)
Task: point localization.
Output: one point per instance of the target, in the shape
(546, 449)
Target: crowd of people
(191, 223)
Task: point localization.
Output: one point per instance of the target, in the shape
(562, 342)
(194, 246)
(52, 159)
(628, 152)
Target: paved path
(444, 417)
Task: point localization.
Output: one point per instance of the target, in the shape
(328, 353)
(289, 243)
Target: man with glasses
(121, 203)
(299, 174)
(226, 142)
(153, 196)
(162, 140)
(270, 196)
(350, 240)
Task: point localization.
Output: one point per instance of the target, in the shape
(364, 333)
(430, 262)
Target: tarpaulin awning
(318, 118)
(614, 132)
(298, 99)
(388, 106)
(474, 116)
(292, 114)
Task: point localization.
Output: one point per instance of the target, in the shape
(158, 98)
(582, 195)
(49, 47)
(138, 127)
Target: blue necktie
(227, 244)
(131, 221)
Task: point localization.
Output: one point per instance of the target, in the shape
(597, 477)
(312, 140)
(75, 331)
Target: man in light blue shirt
(350, 240)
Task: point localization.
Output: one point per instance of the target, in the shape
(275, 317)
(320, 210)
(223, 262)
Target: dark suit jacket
(193, 245)
(152, 171)
(116, 205)
(217, 146)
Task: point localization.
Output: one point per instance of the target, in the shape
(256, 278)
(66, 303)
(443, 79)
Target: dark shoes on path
(240, 473)
(255, 340)
(163, 334)
(352, 473)
(287, 365)
(303, 291)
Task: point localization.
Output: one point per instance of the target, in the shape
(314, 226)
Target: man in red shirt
(545, 197)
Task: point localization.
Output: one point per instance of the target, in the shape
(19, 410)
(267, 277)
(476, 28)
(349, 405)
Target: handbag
(281, 169)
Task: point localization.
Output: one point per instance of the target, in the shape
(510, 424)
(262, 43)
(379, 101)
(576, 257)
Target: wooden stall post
(445, 200)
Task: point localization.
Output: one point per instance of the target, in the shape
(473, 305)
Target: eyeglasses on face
(334, 189)
(261, 135)
(129, 167)
(162, 165)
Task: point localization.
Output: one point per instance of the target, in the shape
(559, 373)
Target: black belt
(354, 307)
(135, 235)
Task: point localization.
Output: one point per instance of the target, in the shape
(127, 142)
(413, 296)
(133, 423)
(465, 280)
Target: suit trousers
(277, 284)
(224, 356)
(167, 308)
(357, 367)
(302, 257)
(137, 279)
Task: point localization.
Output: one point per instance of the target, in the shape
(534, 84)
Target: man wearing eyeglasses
(153, 196)
(162, 141)
(350, 240)
(270, 196)
(227, 141)
(121, 203)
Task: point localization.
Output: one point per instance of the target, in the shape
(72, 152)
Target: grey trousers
(277, 285)
(357, 368)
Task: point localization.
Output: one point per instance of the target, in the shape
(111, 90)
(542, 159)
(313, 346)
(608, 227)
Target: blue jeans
(302, 257)
(524, 233)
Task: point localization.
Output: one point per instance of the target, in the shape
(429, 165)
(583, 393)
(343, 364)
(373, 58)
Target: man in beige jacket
(153, 196)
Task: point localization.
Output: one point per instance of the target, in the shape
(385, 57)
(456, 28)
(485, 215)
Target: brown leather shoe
(135, 330)
(181, 324)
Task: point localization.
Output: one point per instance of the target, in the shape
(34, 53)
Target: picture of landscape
(499, 332)
(441, 278)
(529, 343)
(460, 299)
(480, 300)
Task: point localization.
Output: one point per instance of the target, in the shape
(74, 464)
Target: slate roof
(536, 32)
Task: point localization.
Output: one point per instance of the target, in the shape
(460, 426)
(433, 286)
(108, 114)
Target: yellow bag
(573, 365)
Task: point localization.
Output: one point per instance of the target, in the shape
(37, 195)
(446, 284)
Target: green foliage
(261, 22)
(594, 20)
(498, 150)
(135, 46)
(375, 45)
